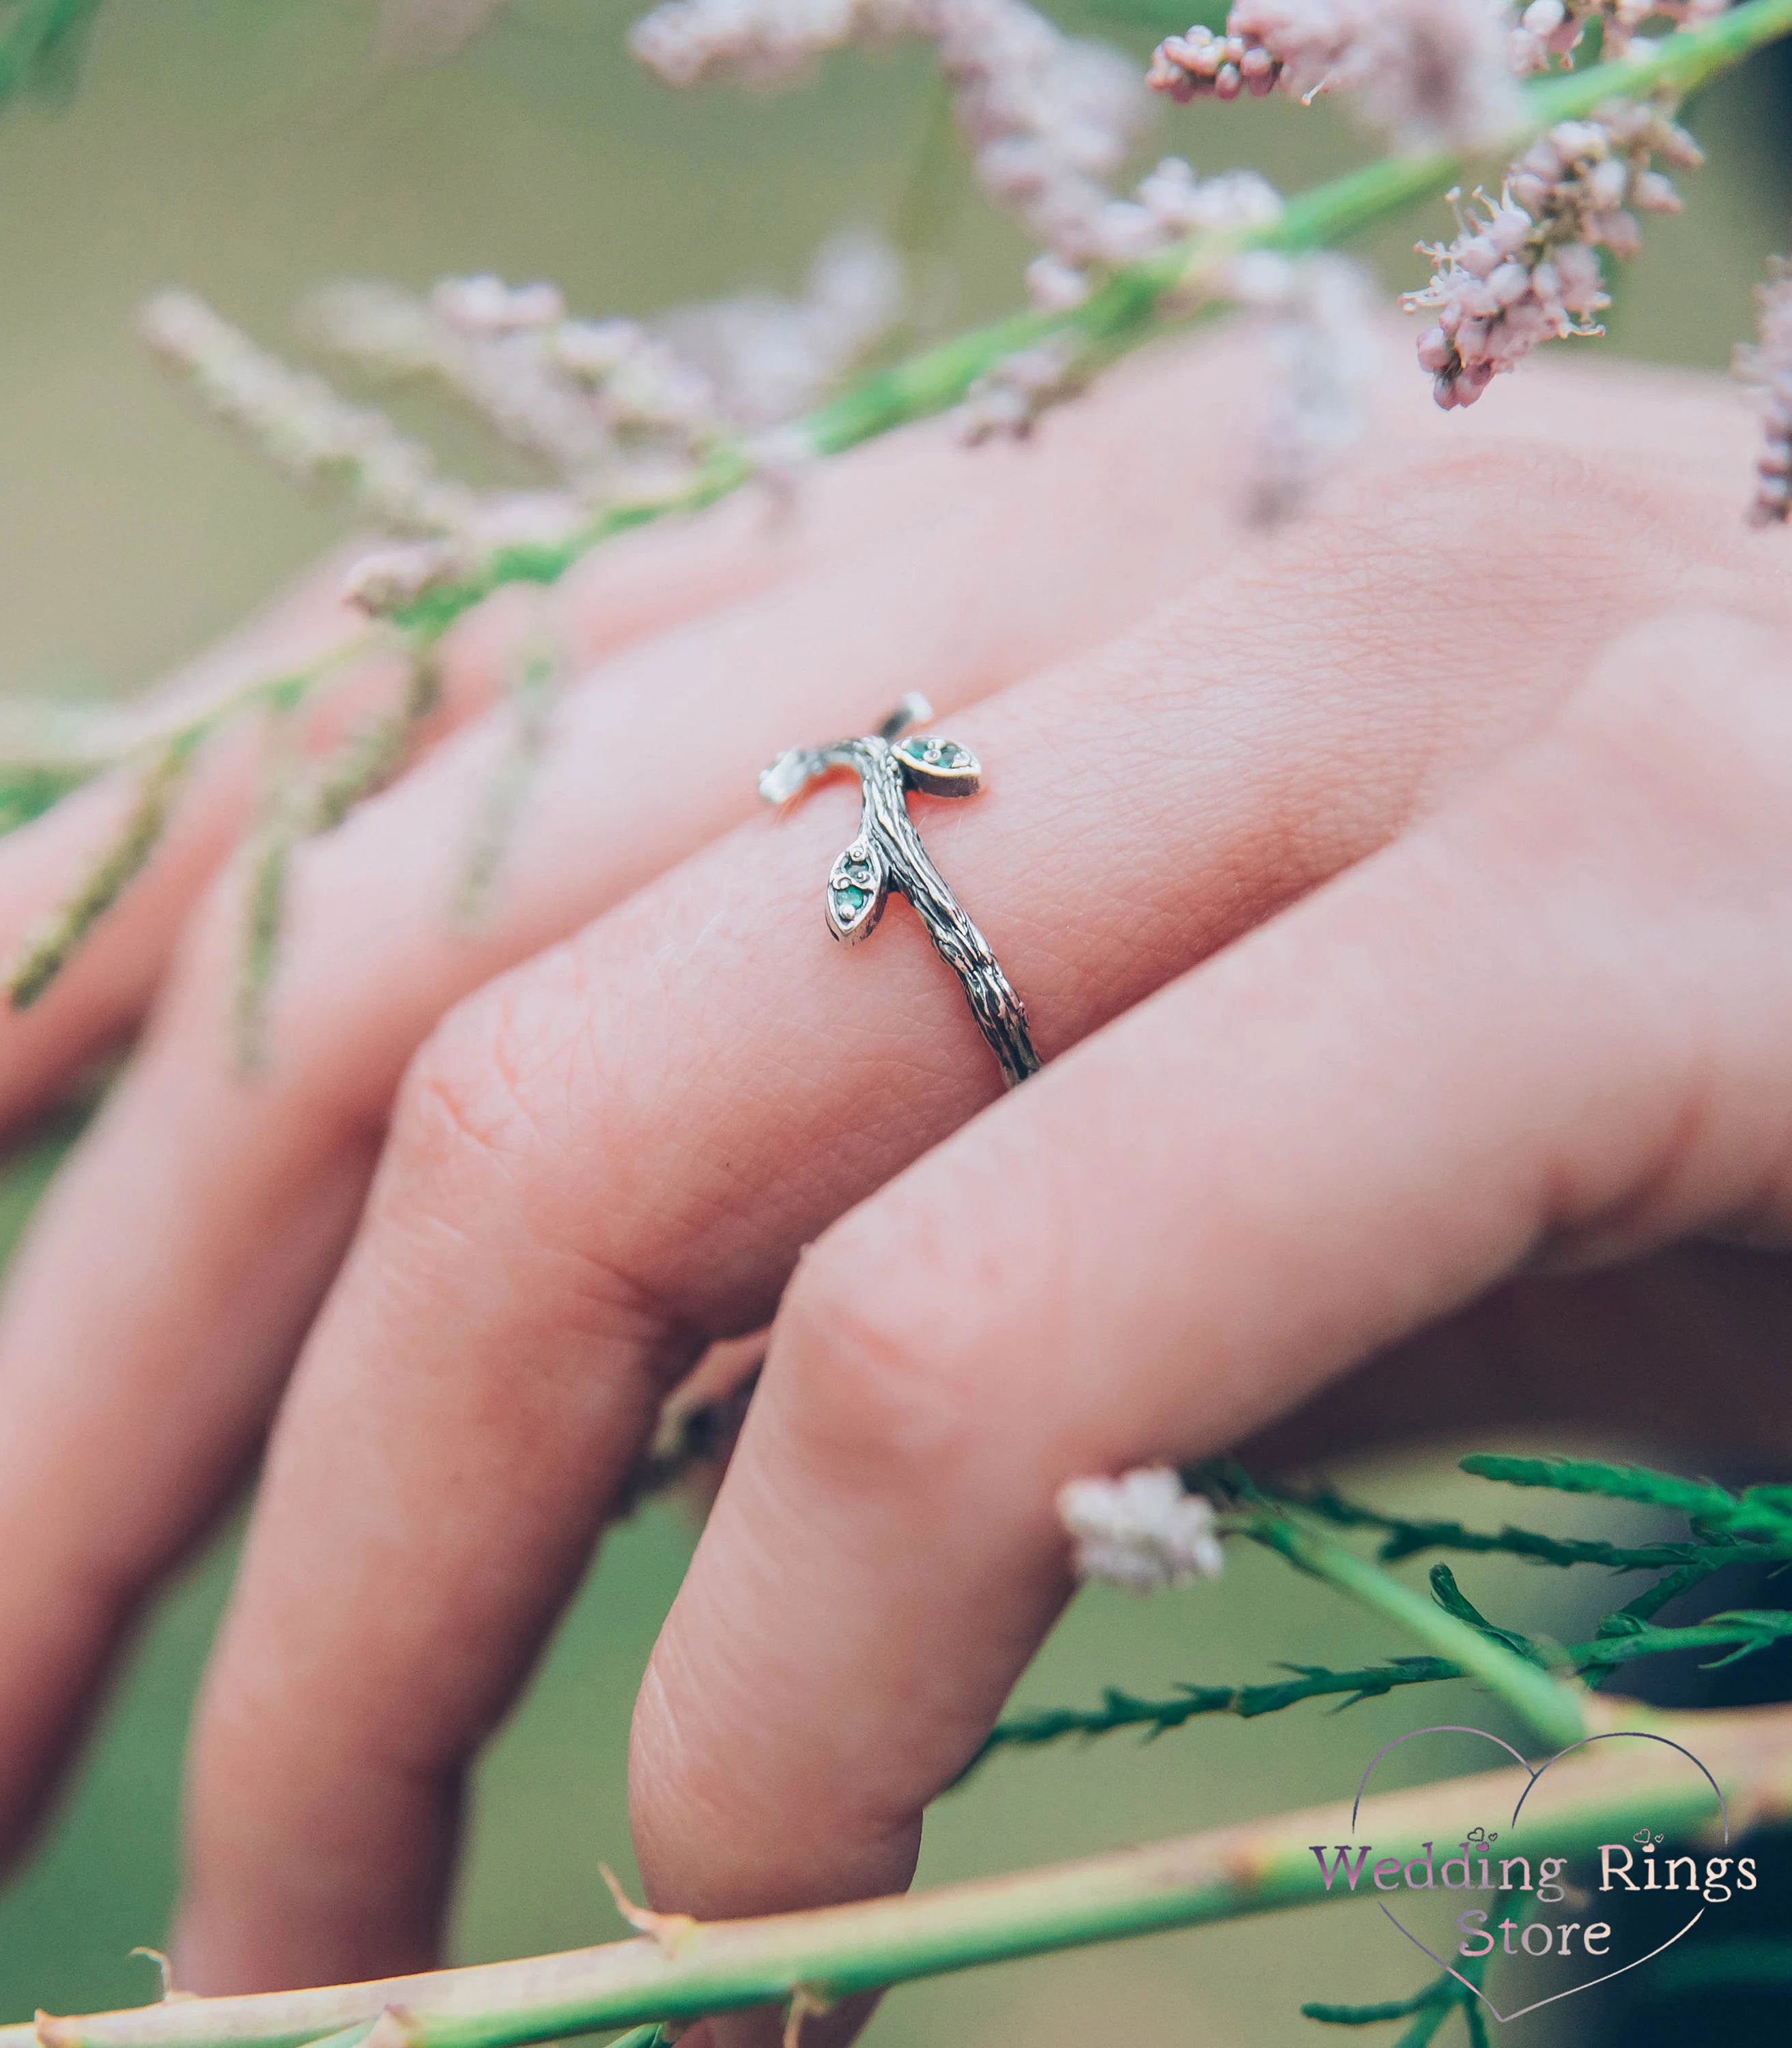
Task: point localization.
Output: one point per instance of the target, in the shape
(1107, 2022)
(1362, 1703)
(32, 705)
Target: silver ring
(888, 855)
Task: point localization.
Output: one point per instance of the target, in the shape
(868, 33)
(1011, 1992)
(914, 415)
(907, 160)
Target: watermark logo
(1511, 1899)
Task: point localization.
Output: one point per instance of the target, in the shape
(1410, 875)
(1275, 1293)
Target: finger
(1556, 1021)
(104, 989)
(635, 586)
(150, 1379)
(639, 1167)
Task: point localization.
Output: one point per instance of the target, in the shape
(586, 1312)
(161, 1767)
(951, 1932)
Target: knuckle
(458, 1101)
(479, 1087)
(484, 1149)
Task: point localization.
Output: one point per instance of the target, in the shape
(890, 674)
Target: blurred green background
(248, 148)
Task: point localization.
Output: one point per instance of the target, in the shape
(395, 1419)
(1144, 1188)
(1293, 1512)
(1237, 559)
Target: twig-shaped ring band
(887, 853)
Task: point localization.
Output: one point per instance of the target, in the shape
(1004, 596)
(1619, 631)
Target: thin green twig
(1138, 302)
(1376, 2015)
(1407, 1536)
(1759, 1514)
(31, 38)
(1742, 1634)
(839, 1951)
(1552, 1711)
(45, 951)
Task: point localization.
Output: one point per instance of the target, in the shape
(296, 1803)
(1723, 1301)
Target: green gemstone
(851, 898)
(948, 754)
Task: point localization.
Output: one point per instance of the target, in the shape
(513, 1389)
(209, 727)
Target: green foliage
(1455, 1991)
(1407, 1538)
(1625, 1635)
(1760, 1514)
(1138, 304)
(299, 807)
(265, 905)
(42, 957)
(1428, 2009)
(1649, 1602)
(1453, 1599)
(534, 688)
(1744, 1633)
(372, 752)
(1551, 1710)
(1120, 1709)
(28, 789)
(41, 43)
(1375, 2015)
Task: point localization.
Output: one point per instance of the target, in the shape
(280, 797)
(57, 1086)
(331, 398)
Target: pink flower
(1425, 71)
(1525, 271)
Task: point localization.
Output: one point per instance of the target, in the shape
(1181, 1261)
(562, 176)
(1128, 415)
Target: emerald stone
(854, 899)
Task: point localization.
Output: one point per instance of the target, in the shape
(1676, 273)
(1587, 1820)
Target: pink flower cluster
(1769, 367)
(310, 431)
(1526, 270)
(1425, 71)
(1048, 119)
(1169, 204)
(1554, 28)
(764, 42)
(1008, 399)
(610, 409)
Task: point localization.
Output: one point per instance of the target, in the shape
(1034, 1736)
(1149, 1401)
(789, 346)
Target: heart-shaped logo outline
(1608, 1734)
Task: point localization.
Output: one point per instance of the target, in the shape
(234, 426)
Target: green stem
(1146, 299)
(1602, 1793)
(1405, 1537)
(1741, 1634)
(33, 32)
(1135, 305)
(1552, 1711)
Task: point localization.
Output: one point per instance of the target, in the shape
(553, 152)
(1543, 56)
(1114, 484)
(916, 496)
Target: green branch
(1407, 1538)
(1144, 300)
(1121, 1710)
(1759, 1514)
(36, 40)
(1378, 2015)
(1742, 1634)
(1606, 1789)
(1136, 305)
(1428, 2009)
(45, 951)
(1549, 1708)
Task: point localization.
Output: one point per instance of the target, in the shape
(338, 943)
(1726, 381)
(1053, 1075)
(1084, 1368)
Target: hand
(1422, 916)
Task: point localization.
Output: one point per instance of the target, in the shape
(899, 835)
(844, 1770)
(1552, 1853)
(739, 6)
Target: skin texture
(1401, 902)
